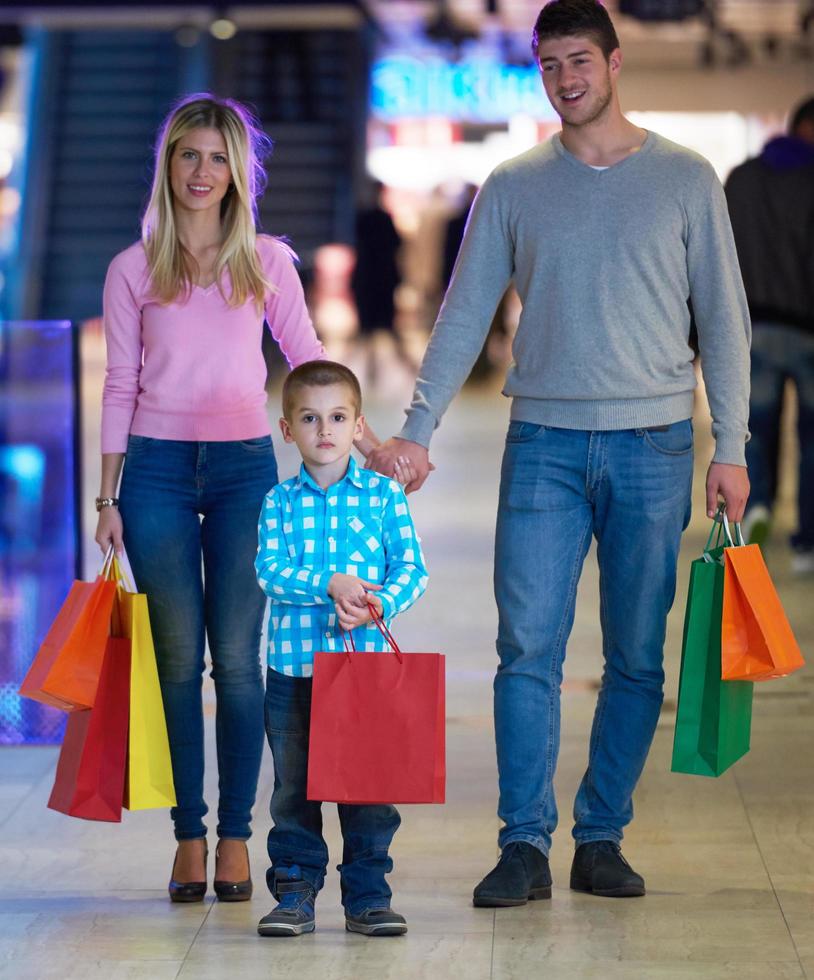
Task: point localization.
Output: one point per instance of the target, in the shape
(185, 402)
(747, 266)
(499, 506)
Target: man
(771, 204)
(607, 231)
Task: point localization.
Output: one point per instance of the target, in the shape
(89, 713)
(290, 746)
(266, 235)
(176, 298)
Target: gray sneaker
(295, 913)
(802, 561)
(376, 922)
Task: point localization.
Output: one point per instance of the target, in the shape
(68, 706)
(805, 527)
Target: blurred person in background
(184, 415)
(607, 231)
(376, 276)
(771, 204)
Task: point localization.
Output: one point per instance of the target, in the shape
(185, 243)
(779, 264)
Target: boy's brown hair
(319, 374)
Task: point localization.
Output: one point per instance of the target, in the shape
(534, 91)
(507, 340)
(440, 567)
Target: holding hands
(352, 597)
(406, 461)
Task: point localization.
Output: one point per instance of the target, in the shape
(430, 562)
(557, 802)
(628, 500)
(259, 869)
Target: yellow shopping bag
(148, 782)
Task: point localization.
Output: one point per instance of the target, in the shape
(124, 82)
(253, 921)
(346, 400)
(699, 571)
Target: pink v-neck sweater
(194, 370)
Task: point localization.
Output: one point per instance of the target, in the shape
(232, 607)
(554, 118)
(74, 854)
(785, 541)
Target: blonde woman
(184, 412)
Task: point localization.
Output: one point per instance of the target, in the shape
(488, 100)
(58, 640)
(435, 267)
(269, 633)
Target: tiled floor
(729, 862)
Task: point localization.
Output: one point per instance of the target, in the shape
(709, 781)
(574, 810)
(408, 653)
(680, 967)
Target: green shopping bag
(714, 717)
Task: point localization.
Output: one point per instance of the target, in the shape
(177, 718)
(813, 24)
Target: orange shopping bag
(65, 671)
(757, 643)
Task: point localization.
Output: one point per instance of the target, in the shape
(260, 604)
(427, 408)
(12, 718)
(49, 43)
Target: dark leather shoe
(187, 891)
(233, 891)
(521, 874)
(600, 869)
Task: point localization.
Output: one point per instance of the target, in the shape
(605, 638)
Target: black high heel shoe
(187, 891)
(234, 891)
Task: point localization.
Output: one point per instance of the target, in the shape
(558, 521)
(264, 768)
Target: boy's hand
(351, 615)
(351, 588)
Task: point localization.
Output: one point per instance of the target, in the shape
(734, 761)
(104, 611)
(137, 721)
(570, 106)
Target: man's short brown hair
(320, 374)
(575, 18)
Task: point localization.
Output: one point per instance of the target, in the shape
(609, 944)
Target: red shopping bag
(65, 670)
(377, 727)
(89, 779)
(757, 642)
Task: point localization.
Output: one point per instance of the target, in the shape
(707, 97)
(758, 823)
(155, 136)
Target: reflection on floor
(729, 863)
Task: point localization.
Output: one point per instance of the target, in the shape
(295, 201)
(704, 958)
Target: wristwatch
(106, 502)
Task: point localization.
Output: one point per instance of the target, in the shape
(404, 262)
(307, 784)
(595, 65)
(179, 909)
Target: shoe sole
(234, 898)
(492, 902)
(394, 929)
(629, 891)
(282, 931)
(186, 899)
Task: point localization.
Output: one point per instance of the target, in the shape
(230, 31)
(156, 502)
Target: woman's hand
(109, 530)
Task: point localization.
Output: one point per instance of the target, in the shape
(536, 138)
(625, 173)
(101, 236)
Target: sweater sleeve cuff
(730, 448)
(419, 427)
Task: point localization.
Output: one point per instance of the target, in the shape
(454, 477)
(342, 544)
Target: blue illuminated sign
(479, 90)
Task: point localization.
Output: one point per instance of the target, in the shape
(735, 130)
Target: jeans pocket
(523, 431)
(672, 440)
(260, 444)
(137, 444)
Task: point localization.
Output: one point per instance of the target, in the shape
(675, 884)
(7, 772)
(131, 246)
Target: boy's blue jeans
(780, 353)
(188, 507)
(630, 490)
(295, 840)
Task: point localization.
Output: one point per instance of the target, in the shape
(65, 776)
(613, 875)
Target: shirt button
(332, 540)
(327, 634)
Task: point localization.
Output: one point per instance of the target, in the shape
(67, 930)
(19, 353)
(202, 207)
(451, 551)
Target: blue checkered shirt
(360, 526)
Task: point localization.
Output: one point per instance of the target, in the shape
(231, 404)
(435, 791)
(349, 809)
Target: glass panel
(39, 518)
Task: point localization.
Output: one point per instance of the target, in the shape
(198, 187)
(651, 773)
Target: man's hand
(350, 589)
(350, 615)
(401, 456)
(730, 482)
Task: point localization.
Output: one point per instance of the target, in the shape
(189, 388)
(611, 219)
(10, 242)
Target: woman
(184, 412)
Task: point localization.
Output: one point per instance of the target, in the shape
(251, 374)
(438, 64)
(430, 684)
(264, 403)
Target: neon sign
(480, 90)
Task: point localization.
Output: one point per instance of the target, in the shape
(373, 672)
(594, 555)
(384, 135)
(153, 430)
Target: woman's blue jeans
(190, 512)
(559, 488)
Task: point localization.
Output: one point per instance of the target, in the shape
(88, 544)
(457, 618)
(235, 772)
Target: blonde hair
(172, 267)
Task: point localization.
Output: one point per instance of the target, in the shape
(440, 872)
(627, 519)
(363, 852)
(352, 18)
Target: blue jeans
(188, 508)
(781, 353)
(295, 840)
(630, 490)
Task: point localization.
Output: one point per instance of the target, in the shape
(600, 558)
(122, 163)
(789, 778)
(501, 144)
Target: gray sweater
(604, 262)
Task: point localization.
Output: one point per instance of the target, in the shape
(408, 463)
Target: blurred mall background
(400, 106)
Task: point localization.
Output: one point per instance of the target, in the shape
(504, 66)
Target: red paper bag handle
(350, 646)
(377, 619)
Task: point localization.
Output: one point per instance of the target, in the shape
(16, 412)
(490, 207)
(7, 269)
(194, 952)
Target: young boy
(331, 540)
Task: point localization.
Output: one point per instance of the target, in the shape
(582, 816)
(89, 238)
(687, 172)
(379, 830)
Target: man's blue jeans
(295, 842)
(629, 489)
(781, 353)
(189, 507)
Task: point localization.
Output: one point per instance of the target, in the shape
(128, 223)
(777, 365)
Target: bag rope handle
(350, 646)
